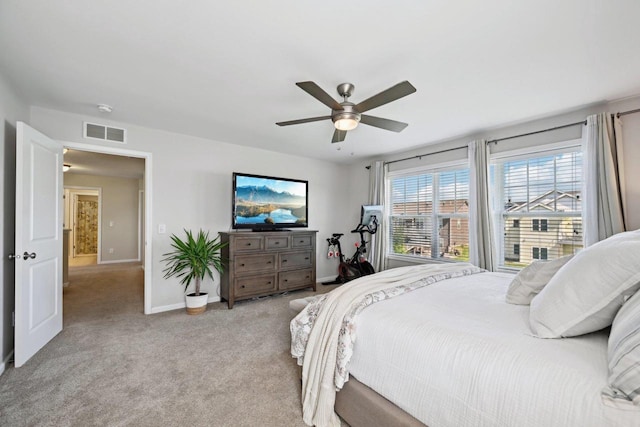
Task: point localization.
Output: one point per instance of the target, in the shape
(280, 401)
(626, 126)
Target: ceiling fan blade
(381, 123)
(339, 135)
(318, 93)
(299, 121)
(395, 92)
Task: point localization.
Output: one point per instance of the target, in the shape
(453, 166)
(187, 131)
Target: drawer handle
(301, 241)
(307, 277)
(242, 286)
(268, 283)
(286, 280)
(306, 257)
(277, 243)
(248, 244)
(241, 265)
(268, 262)
(284, 260)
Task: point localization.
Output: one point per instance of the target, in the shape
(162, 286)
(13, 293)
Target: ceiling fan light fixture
(346, 121)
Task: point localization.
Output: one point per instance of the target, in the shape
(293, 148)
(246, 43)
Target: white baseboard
(5, 362)
(117, 261)
(179, 305)
(326, 279)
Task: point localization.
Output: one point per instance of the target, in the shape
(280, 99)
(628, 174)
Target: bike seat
(338, 235)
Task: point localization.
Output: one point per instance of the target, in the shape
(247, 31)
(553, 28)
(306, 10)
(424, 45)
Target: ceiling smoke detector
(104, 108)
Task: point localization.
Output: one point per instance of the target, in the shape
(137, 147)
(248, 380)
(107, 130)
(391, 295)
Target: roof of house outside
(562, 200)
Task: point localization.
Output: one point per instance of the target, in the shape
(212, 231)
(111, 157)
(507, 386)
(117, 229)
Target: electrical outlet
(110, 250)
(162, 228)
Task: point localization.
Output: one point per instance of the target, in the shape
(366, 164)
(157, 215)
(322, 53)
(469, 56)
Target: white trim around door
(147, 203)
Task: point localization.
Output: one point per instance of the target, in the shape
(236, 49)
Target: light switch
(110, 223)
(162, 228)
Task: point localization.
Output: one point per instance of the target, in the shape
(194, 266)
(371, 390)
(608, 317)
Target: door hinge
(13, 319)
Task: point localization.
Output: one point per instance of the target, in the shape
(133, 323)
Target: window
(537, 204)
(540, 225)
(539, 253)
(429, 215)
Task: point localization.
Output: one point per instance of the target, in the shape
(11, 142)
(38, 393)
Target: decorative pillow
(624, 357)
(585, 294)
(532, 279)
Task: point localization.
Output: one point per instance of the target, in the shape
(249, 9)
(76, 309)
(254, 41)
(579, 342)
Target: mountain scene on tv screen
(270, 202)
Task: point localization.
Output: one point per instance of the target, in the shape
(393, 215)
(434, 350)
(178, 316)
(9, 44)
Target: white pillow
(624, 358)
(532, 279)
(585, 294)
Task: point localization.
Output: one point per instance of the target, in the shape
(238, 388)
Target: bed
(450, 352)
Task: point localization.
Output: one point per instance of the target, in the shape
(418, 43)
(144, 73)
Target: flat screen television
(264, 203)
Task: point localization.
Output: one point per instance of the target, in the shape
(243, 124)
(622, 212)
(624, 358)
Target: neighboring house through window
(537, 204)
(429, 213)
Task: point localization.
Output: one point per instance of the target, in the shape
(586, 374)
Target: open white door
(39, 210)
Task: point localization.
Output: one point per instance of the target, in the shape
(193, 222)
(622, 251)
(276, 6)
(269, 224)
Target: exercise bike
(357, 265)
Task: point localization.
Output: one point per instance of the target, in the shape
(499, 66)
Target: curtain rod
(420, 156)
(584, 122)
(624, 113)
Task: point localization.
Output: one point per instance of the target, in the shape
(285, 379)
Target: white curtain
(378, 247)
(603, 188)
(480, 228)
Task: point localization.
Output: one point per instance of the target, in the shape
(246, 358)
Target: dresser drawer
(247, 264)
(247, 244)
(295, 279)
(303, 241)
(255, 285)
(289, 260)
(277, 242)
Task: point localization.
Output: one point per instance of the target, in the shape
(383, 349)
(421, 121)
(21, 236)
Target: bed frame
(360, 406)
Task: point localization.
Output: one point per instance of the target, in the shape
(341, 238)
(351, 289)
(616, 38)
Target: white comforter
(322, 335)
(455, 354)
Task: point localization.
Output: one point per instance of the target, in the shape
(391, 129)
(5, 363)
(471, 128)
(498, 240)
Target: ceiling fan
(346, 115)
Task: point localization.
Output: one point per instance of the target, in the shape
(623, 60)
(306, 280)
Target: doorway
(82, 217)
(39, 236)
(116, 163)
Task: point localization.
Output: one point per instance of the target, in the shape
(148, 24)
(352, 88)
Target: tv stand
(266, 263)
(260, 230)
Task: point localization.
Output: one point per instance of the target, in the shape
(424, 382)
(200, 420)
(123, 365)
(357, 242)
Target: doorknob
(13, 256)
(26, 255)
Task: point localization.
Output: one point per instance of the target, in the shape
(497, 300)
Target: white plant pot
(196, 304)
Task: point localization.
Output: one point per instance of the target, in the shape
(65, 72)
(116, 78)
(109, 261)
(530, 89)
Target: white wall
(12, 109)
(191, 181)
(120, 208)
(358, 175)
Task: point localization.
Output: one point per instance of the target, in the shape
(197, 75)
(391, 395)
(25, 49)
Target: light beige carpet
(113, 366)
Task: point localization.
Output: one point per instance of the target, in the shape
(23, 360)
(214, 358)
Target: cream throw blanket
(323, 334)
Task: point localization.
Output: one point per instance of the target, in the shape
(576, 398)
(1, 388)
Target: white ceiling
(227, 70)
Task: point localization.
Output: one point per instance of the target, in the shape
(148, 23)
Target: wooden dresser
(264, 263)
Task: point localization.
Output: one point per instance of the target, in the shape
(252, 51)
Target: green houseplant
(191, 260)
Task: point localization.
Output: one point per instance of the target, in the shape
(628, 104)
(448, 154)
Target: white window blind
(537, 204)
(429, 215)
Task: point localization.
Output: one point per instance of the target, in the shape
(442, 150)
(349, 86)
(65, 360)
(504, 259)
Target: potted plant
(192, 260)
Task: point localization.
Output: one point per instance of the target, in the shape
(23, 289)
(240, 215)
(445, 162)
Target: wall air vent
(105, 133)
